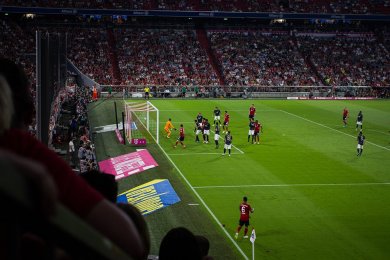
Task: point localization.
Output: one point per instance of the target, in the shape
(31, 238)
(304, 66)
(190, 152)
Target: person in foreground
(73, 192)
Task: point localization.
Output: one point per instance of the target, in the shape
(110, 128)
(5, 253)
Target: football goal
(141, 120)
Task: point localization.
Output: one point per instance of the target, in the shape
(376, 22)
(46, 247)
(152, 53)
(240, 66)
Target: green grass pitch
(313, 197)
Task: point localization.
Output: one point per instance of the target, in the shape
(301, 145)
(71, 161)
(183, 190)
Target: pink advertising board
(128, 164)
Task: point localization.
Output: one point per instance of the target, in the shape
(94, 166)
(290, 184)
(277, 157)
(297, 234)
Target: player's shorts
(226, 123)
(217, 118)
(228, 146)
(243, 222)
(198, 131)
(216, 137)
(206, 132)
(251, 132)
(251, 116)
(256, 133)
(344, 118)
(167, 130)
(359, 122)
(359, 146)
(180, 138)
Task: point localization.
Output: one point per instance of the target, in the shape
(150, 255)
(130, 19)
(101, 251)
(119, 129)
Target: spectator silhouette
(73, 191)
(179, 243)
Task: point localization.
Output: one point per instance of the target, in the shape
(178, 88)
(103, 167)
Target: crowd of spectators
(346, 61)
(162, 57)
(254, 58)
(88, 50)
(294, 6)
(18, 45)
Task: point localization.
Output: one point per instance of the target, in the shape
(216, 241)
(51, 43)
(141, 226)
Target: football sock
(224, 150)
(245, 231)
(248, 137)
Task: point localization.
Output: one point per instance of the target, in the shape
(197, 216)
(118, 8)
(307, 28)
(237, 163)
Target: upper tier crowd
(293, 6)
(167, 57)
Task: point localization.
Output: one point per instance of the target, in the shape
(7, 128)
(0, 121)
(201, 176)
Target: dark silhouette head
(179, 243)
(21, 93)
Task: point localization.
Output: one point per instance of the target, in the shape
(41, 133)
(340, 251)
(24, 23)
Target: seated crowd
(163, 57)
(346, 61)
(252, 58)
(293, 6)
(88, 50)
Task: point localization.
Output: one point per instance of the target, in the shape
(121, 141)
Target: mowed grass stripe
(330, 128)
(294, 185)
(302, 222)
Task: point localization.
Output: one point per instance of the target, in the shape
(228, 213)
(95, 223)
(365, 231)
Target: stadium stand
(347, 59)
(256, 58)
(293, 6)
(163, 57)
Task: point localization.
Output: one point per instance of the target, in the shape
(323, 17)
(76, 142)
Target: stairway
(308, 61)
(205, 44)
(113, 57)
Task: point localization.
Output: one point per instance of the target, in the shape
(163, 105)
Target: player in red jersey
(245, 210)
(345, 116)
(226, 121)
(180, 139)
(258, 129)
(252, 111)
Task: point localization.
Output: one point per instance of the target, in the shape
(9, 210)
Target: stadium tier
(293, 6)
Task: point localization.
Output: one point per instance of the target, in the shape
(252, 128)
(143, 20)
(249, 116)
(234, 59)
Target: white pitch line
(295, 185)
(204, 203)
(239, 110)
(373, 130)
(311, 121)
(183, 154)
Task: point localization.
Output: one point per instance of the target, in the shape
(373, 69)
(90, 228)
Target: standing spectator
(146, 90)
(196, 90)
(72, 151)
(73, 126)
(245, 210)
(183, 91)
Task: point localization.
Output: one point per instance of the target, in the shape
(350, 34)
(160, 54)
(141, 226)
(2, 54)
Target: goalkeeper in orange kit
(168, 127)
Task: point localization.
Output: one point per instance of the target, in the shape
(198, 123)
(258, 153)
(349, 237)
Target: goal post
(141, 120)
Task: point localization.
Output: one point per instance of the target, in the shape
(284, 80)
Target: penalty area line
(183, 154)
(296, 185)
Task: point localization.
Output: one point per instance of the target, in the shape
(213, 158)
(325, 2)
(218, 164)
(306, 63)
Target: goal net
(141, 121)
